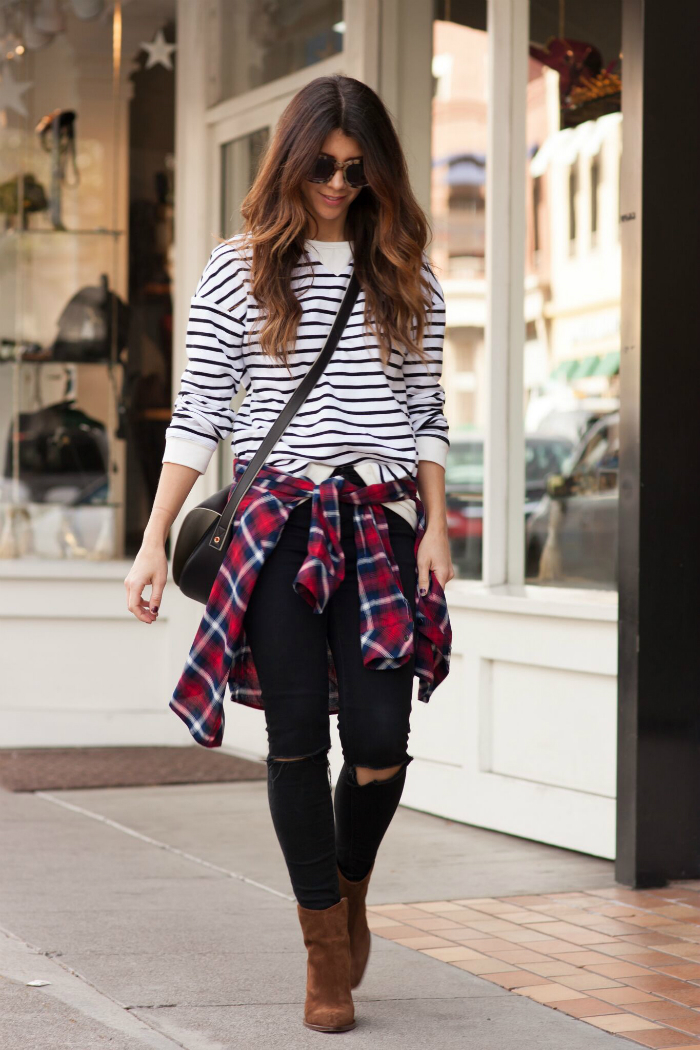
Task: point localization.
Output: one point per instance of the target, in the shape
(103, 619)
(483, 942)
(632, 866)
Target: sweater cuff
(432, 448)
(187, 453)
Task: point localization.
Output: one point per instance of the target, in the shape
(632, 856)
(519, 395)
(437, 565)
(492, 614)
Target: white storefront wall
(521, 735)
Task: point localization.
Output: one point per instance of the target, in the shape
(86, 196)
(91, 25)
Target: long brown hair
(385, 224)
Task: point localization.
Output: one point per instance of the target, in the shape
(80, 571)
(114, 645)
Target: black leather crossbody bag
(206, 530)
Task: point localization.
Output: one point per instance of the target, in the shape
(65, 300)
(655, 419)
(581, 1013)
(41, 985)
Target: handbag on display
(87, 323)
(206, 530)
(62, 448)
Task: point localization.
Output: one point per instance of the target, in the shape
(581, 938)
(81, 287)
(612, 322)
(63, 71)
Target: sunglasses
(326, 166)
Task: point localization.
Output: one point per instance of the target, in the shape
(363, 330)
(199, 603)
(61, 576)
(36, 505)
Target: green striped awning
(587, 366)
(609, 364)
(583, 367)
(564, 370)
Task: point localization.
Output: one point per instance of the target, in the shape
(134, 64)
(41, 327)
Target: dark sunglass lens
(323, 170)
(355, 174)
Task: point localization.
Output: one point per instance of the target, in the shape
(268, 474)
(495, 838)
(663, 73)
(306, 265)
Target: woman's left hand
(434, 555)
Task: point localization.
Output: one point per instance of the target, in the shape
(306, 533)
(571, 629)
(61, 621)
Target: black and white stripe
(359, 410)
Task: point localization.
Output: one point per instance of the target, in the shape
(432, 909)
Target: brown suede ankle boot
(329, 1006)
(360, 937)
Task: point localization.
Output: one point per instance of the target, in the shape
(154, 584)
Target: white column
(406, 84)
(361, 46)
(504, 473)
(194, 236)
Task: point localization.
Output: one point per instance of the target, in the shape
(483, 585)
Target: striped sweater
(383, 418)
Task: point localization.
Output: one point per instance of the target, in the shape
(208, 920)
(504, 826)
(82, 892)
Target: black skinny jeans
(288, 641)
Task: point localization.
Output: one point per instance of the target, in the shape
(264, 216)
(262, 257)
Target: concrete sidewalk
(163, 917)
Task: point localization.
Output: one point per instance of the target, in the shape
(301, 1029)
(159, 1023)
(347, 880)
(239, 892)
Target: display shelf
(52, 361)
(51, 530)
(36, 231)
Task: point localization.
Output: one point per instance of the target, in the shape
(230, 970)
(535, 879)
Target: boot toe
(330, 1020)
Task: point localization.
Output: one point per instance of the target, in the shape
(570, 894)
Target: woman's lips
(332, 200)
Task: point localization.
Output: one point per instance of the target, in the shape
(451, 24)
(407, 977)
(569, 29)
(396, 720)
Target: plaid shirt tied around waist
(220, 652)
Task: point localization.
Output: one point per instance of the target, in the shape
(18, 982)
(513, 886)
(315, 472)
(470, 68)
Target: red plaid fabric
(220, 652)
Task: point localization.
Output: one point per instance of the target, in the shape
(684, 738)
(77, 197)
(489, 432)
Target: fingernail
(154, 608)
(423, 590)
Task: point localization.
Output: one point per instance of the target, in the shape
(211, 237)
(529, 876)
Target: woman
(357, 533)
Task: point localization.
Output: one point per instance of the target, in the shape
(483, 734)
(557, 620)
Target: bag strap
(290, 409)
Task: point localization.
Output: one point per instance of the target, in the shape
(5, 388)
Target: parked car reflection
(571, 538)
(464, 488)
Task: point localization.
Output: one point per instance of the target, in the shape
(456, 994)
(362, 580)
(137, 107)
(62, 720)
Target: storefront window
(458, 199)
(258, 42)
(86, 236)
(572, 294)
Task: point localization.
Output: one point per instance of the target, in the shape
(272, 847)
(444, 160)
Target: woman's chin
(327, 213)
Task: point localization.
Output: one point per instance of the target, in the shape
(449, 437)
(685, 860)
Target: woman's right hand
(150, 566)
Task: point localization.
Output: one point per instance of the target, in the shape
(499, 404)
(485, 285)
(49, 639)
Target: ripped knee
(362, 775)
(276, 763)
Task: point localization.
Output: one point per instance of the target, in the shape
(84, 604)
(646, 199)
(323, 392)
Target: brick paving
(626, 961)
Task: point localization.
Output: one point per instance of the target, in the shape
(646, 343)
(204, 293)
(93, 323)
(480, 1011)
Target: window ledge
(566, 602)
(461, 594)
(63, 569)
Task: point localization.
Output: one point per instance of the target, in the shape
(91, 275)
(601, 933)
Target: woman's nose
(337, 183)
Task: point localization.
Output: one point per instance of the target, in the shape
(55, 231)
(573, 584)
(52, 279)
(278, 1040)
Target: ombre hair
(385, 224)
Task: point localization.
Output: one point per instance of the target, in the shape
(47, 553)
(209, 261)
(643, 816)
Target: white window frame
(504, 453)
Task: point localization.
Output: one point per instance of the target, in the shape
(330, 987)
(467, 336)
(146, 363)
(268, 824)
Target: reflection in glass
(573, 203)
(595, 188)
(458, 198)
(239, 166)
(240, 159)
(572, 533)
(572, 292)
(259, 42)
(464, 486)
